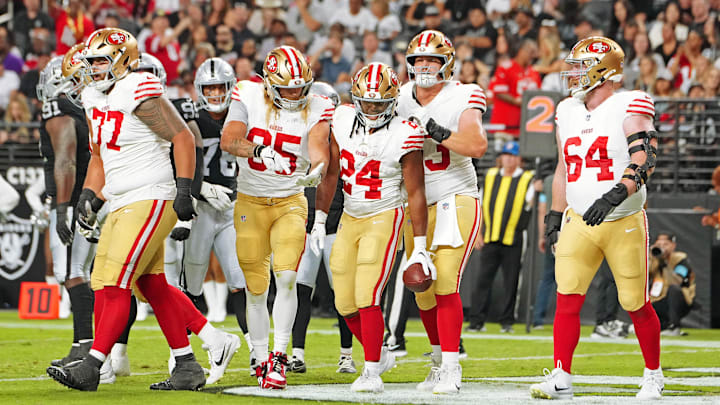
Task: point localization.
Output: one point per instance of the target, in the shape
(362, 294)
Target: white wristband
(320, 216)
(420, 241)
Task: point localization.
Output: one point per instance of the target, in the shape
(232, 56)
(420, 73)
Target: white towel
(447, 232)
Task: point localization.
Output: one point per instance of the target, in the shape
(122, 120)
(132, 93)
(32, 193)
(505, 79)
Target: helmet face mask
(214, 72)
(286, 68)
(72, 69)
(375, 90)
(434, 44)
(112, 45)
(593, 61)
(51, 81)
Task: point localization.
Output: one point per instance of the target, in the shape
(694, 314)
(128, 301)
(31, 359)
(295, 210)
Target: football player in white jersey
(452, 115)
(132, 126)
(277, 132)
(607, 148)
(379, 152)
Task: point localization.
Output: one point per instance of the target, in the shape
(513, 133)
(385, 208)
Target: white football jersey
(595, 150)
(285, 131)
(370, 163)
(136, 160)
(446, 172)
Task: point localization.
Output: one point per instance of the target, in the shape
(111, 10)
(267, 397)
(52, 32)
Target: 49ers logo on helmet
(272, 64)
(117, 38)
(599, 47)
(393, 78)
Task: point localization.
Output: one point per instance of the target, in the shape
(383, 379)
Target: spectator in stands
(261, 19)
(163, 44)
(623, 13)
(583, 29)
(17, 112)
(29, 80)
(331, 59)
(225, 47)
(507, 193)
(142, 11)
(641, 47)
(469, 72)
(249, 50)
(356, 19)
(525, 21)
(669, 46)
(11, 61)
(237, 20)
(203, 51)
(388, 26)
(671, 283)
(9, 82)
(687, 61)
(415, 14)
(712, 219)
(245, 70)
(700, 10)
(72, 25)
(371, 52)
(663, 85)
(646, 76)
(478, 32)
(512, 78)
(348, 50)
(32, 17)
(457, 11)
(433, 20)
(188, 48)
(671, 14)
(549, 54)
(40, 43)
(711, 83)
(216, 16)
(305, 18)
(278, 29)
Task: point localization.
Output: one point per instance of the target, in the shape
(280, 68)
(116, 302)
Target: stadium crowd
(672, 47)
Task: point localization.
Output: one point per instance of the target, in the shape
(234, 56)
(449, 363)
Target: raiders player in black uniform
(64, 148)
(309, 267)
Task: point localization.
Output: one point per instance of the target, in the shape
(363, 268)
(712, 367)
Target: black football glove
(63, 227)
(436, 131)
(88, 205)
(181, 230)
(553, 220)
(597, 212)
(183, 204)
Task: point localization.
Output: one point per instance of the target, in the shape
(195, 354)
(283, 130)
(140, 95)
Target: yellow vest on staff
(503, 205)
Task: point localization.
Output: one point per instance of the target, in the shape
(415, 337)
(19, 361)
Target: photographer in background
(672, 288)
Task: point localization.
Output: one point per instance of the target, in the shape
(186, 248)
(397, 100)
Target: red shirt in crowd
(168, 55)
(70, 31)
(511, 78)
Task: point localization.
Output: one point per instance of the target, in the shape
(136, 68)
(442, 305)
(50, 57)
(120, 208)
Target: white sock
(450, 358)
(210, 296)
(284, 309)
(248, 341)
(258, 321)
(98, 355)
(373, 367)
(210, 335)
(346, 351)
(182, 351)
(119, 350)
(221, 291)
(299, 353)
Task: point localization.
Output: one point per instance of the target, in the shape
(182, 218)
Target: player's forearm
(95, 177)
(64, 174)
(414, 179)
(328, 185)
(470, 142)
(234, 142)
(559, 202)
(184, 154)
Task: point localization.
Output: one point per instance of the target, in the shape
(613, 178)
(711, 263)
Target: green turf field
(498, 361)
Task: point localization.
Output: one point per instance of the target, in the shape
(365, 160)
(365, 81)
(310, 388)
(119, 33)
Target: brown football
(415, 279)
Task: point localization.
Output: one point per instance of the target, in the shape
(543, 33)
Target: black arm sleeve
(198, 178)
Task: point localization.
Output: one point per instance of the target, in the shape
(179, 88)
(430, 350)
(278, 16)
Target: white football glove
(273, 160)
(181, 230)
(217, 196)
(317, 235)
(89, 227)
(420, 255)
(311, 179)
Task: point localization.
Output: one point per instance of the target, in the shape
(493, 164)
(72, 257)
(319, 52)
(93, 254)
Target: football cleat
(78, 351)
(449, 380)
(187, 376)
(275, 372)
(253, 365)
(652, 384)
(557, 385)
(79, 375)
(220, 356)
(107, 372)
(397, 349)
(462, 354)
(296, 365)
(368, 383)
(346, 365)
(387, 360)
(120, 361)
(432, 379)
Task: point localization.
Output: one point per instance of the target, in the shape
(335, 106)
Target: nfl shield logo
(243, 218)
(446, 206)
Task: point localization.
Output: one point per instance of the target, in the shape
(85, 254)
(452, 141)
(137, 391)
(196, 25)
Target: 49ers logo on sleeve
(272, 64)
(117, 38)
(599, 47)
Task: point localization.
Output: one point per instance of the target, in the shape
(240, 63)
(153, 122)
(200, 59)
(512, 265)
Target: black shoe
(187, 376)
(80, 375)
(475, 327)
(78, 351)
(462, 353)
(296, 365)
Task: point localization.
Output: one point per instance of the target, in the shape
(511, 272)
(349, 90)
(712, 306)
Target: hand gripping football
(415, 278)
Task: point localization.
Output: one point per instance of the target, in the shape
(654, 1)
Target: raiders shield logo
(18, 245)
